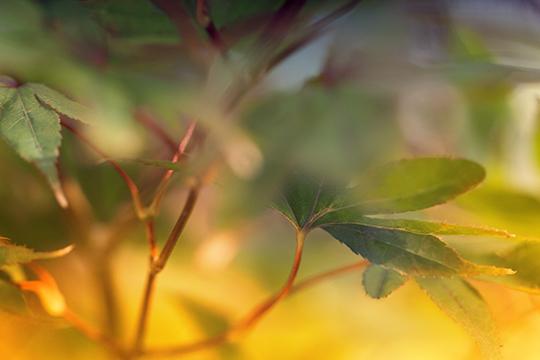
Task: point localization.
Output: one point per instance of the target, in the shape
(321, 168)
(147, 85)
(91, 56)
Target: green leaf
(304, 199)
(415, 254)
(523, 258)
(416, 184)
(163, 164)
(135, 20)
(13, 254)
(60, 103)
(33, 130)
(379, 282)
(226, 12)
(463, 303)
(405, 185)
(348, 216)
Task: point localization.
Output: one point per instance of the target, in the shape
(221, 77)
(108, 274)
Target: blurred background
(389, 80)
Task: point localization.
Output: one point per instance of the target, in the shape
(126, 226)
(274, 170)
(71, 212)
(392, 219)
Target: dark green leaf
(379, 282)
(405, 251)
(136, 20)
(350, 216)
(463, 303)
(226, 12)
(305, 198)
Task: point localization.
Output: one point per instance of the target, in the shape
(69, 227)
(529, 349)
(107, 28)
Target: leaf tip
(60, 196)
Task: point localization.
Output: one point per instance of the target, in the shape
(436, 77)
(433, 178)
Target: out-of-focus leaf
(416, 184)
(11, 298)
(12, 254)
(509, 208)
(136, 20)
(163, 164)
(405, 251)
(210, 320)
(226, 12)
(523, 258)
(336, 133)
(379, 282)
(463, 303)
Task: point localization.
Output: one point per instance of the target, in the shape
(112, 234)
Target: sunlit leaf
(463, 303)
(379, 282)
(13, 254)
(416, 184)
(405, 185)
(405, 251)
(523, 258)
(348, 216)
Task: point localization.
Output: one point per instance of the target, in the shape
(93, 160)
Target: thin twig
(227, 335)
(177, 229)
(151, 238)
(148, 120)
(93, 333)
(313, 32)
(240, 89)
(105, 280)
(157, 265)
(178, 156)
(254, 316)
(181, 19)
(133, 189)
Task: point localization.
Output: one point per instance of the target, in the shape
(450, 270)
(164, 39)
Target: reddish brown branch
(228, 335)
(158, 263)
(133, 189)
(148, 120)
(178, 156)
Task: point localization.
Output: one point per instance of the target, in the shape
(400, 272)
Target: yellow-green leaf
(13, 254)
(464, 304)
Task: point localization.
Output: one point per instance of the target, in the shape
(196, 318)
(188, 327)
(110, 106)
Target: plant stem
(178, 156)
(105, 281)
(254, 316)
(227, 335)
(145, 309)
(93, 334)
(157, 263)
(147, 119)
(133, 189)
(177, 229)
